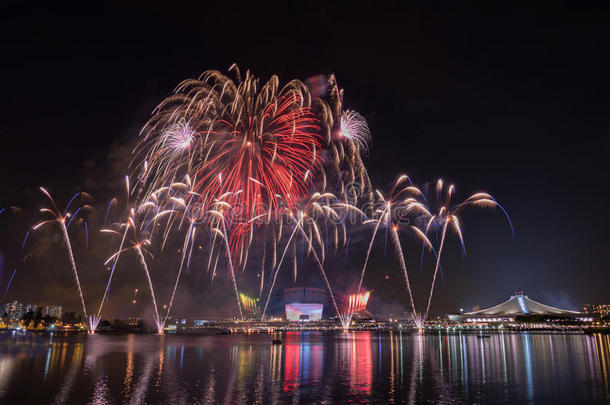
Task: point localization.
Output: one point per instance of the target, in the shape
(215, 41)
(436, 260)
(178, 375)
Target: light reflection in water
(307, 368)
(416, 368)
(160, 367)
(70, 378)
(275, 366)
(210, 392)
(528, 365)
(46, 367)
(603, 355)
(292, 360)
(392, 376)
(139, 392)
(129, 368)
(360, 362)
(7, 368)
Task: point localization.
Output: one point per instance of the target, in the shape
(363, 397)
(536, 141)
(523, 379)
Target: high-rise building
(53, 310)
(14, 310)
(6, 309)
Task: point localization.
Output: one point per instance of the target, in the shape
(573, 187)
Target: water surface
(308, 368)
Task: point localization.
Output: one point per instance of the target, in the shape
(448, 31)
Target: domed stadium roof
(520, 304)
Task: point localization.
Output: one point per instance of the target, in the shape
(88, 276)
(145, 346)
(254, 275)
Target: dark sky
(513, 101)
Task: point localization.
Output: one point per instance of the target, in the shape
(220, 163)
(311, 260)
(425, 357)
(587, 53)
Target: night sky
(513, 101)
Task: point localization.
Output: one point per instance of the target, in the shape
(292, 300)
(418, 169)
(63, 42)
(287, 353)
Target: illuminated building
(304, 303)
(54, 311)
(601, 310)
(518, 307)
(303, 312)
(15, 310)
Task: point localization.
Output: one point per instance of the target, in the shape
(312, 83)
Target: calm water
(308, 368)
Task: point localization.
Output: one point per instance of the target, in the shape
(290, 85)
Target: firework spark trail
(366, 260)
(190, 254)
(368, 254)
(116, 260)
(61, 220)
(232, 271)
(384, 217)
(262, 273)
(436, 267)
(323, 272)
(92, 322)
(25, 239)
(9, 283)
(86, 236)
(403, 267)
(108, 212)
(354, 127)
(316, 204)
(158, 321)
(447, 215)
(73, 264)
(129, 223)
(70, 203)
(138, 246)
(189, 235)
(223, 235)
(277, 268)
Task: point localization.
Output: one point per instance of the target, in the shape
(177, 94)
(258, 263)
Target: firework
(446, 217)
(223, 234)
(248, 303)
(357, 302)
(9, 282)
(315, 218)
(25, 239)
(390, 212)
(324, 278)
(279, 265)
(259, 144)
(60, 218)
(251, 141)
(250, 166)
(256, 148)
(95, 319)
(354, 127)
(188, 240)
(139, 247)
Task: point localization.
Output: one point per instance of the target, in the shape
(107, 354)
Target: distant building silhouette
(54, 311)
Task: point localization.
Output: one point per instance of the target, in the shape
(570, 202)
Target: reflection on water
(309, 367)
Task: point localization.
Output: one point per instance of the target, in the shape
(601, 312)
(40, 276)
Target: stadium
(304, 304)
(519, 307)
